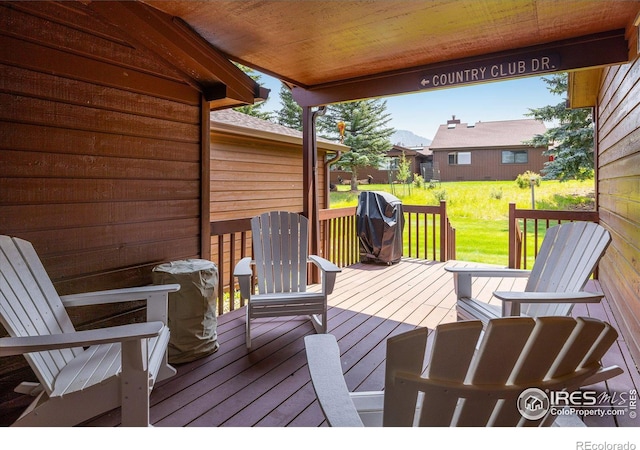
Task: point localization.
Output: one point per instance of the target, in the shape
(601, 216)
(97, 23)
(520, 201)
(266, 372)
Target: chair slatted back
(30, 306)
(281, 248)
(568, 256)
(480, 385)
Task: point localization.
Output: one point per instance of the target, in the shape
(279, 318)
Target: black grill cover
(379, 224)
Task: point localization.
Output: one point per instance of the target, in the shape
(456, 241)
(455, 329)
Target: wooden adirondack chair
(492, 371)
(82, 374)
(568, 256)
(280, 247)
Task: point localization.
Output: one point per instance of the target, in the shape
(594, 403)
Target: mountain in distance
(406, 138)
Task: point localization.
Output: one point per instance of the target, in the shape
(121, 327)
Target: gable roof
(505, 133)
(236, 122)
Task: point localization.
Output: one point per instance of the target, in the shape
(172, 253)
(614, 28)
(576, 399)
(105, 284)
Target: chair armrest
(156, 296)
(512, 300)
(119, 295)
(324, 264)
(329, 271)
(462, 277)
(489, 271)
(28, 344)
(244, 273)
(323, 357)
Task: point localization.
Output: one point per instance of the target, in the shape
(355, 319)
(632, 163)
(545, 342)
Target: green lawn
(479, 210)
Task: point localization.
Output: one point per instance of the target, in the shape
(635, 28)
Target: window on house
(460, 158)
(515, 157)
(389, 163)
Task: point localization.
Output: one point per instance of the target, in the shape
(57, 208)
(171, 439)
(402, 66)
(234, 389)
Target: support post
(443, 230)
(512, 236)
(310, 179)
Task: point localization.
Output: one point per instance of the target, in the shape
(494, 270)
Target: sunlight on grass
(479, 210)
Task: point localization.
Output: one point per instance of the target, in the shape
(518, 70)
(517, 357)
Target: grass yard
(479, 210)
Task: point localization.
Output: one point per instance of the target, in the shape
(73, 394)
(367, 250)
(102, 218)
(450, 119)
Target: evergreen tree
(254, 109)
(571, 141)
(366, 132)
(290, 115)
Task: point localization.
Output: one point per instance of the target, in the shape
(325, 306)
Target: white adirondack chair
(568, 256)
(280, 247)
(82, 374)
(492, 371)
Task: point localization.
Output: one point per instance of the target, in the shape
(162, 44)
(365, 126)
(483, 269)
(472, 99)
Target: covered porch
(269, 386)
(106, 151)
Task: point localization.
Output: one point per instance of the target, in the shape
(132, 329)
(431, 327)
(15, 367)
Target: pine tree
(254, 109)
(366, 133)
(290, 115)
(571, 141)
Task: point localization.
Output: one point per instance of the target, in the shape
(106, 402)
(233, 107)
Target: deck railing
(423, 235)
(428, 234)
(527, 228)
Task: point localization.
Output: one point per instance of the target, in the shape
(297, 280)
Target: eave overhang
(221, 82)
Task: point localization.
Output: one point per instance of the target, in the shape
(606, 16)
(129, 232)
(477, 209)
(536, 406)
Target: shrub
(496, 193)
(440, 194)
(418, 181)
(524, 179)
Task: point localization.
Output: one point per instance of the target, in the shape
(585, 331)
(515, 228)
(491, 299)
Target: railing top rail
(230, 226)
(422, 209)
(327, 214)
(556, 215)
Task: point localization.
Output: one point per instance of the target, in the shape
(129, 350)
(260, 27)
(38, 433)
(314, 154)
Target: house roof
(337, 51)
(397, 150)
(229, 120)
(504, 133)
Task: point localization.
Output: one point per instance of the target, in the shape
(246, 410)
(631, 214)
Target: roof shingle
(505, 133)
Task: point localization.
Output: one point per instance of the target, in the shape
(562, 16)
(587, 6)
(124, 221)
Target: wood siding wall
(619, 194)
(486, 164)
(251, 175)
(100, 148)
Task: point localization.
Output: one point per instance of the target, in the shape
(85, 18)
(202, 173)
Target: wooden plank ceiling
(334, 51)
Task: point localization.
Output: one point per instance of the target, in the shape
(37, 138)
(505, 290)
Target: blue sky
(422, 113)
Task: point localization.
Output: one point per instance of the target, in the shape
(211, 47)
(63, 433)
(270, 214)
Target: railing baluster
(220, 269)
(409, 234)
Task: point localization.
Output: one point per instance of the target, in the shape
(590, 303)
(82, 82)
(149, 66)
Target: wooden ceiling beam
(594, 50)
(179, 45)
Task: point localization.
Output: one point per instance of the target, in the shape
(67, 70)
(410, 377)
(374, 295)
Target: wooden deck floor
(269, 386)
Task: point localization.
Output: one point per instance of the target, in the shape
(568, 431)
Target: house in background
(418, 157)
(487, 150)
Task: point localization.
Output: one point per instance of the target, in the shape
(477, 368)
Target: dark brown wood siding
(100, 153)
(486, 164)
(619, 194)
